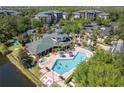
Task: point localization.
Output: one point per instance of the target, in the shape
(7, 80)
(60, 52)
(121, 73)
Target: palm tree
(97, 31)
(74, 39)
(83, 32)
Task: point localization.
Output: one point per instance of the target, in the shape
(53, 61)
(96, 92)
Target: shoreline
(28, 74)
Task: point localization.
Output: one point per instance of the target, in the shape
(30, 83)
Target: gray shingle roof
(56, 35)
(104, 14)
(65, 13)
(45, 13)
(76, 13)
(12, 12)
(41, 45)
(48, 41)
(118, 46)
(42, 14)
(30, 31)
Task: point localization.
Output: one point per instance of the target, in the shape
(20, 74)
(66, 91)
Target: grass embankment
(1, 60)
(15, 47)
(32, 73)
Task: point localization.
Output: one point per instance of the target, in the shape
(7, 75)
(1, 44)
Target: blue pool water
(62, 66)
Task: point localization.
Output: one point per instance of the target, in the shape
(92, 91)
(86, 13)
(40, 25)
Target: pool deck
(52, 59)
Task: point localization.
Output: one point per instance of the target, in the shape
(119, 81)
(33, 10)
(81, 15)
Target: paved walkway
(87, 52)
(54, 76)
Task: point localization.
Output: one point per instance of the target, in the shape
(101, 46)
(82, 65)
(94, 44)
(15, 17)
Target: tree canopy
(37, 23)
(11, 26)
(101, 70)
(24, 59)
(73, 25)
(103, 21)
(3, 49)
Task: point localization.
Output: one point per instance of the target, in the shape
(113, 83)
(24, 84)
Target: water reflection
(10, 76)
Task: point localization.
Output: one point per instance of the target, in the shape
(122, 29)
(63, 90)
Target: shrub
(8, 43)
(68, 79)
(3, 49)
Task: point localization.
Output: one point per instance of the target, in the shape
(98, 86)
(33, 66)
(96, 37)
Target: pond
(10, 76)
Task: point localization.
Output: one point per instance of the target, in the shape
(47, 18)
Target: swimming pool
(62, 66)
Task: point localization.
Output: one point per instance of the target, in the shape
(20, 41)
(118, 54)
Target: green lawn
(36, 71)
(55, 84)
(32, 74)
(2, 60)
(14, 47)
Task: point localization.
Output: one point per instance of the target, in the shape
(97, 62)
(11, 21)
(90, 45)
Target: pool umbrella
(61, 77)
(48, 69)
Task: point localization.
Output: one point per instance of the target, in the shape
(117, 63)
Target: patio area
(49, 76)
